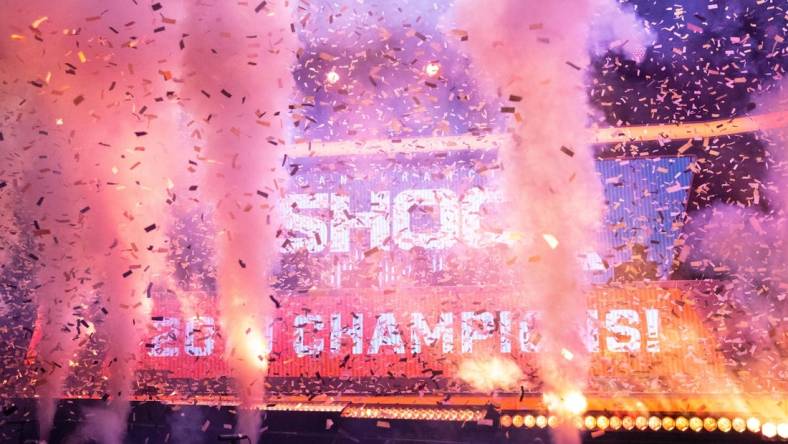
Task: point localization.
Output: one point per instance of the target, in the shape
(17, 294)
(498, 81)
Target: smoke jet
(535, 53)
(96, 168)
(238, 81)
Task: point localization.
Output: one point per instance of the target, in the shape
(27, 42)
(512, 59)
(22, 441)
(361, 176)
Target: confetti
(418, 158)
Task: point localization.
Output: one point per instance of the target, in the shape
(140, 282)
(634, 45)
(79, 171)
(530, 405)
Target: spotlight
(724, 425)
(529, 421)
(628, 423)
(552, 421)
(641, 422)
(739, 425)
(754, 425)
(710, 424)
(668, 423)
(471, 415)
(782, 430)
(638, 52)
(517, 421)
(541, 421)
(615, 422)
(432, 69)
(602, 422)
(696, 424)
(654, 423)
(506, 421)
(769, 429)
(589, 422)
(332, 77)
(682, 423)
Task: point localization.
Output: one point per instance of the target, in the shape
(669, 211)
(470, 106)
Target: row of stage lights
(655, 423)
(417, 413)
(767, 429)
(304, 407)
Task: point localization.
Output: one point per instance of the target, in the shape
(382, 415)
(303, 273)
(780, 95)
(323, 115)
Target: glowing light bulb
(628, 423)
(668, 423)
(432, 69)
(724, 425)
(506, 421)
(782, 430)
(529, 421)
(615, 422)
(332, 77)
(518, 421)
(602, 422)
(769, 429)
(710, 424)
(696, 424)
(753, 425)
(654, 423)
(641, 422)
(682, 423)
(739, 425)
(638, 52)
(589, 422)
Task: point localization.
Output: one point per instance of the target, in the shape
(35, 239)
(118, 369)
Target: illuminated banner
(635, 333)
(416, 216)
(396, 266)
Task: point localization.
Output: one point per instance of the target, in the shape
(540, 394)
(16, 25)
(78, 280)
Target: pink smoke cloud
(237, 83)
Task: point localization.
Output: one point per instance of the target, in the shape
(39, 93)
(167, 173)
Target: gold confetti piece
(462, 34)
(17, 37)
(38, 22)
(674, 188)
(551, 240)
(82, 57)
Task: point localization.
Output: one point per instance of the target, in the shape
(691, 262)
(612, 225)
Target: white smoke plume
(81, 82)
(237, 85)
(534, 53)
(745, 247)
